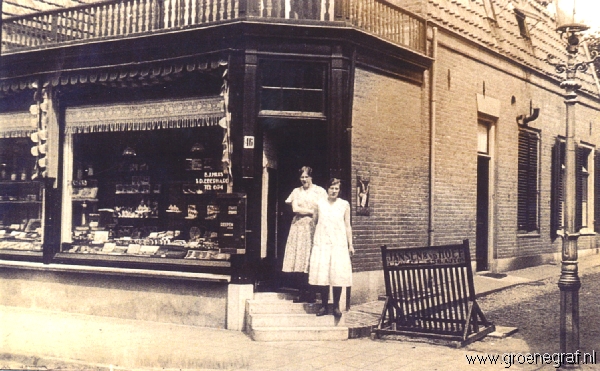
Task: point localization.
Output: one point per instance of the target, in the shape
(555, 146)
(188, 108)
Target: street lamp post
(570, 28)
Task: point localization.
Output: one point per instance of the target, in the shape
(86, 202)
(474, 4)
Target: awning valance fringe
(16, 133)
(133, 75)
(16, 125)
(149, 115)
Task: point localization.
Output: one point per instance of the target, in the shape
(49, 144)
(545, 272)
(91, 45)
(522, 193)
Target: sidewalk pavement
(30, 337)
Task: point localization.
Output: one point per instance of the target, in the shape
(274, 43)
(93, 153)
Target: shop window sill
(135, 272)
(29, 255)
(142, 259)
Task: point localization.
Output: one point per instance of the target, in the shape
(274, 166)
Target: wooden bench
(430, 293)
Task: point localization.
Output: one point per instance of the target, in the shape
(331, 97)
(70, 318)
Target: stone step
(293, 320)
(274, 296)
(280, 306)
(299, 333)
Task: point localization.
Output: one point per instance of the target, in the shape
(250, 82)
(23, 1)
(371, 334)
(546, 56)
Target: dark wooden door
(482, 232)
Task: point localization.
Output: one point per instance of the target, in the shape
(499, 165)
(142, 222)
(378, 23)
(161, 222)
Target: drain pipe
(432, 134)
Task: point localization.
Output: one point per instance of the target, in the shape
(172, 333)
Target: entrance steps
(275, 317)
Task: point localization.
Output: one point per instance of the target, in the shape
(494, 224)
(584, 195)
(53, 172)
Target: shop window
(153, 193)
(292, 89)
(528, 181)
(584, 184)
(21, 198)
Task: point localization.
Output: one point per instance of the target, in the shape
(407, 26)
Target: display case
(21, 198)
(154, 201)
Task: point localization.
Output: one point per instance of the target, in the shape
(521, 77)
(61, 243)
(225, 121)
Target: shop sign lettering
(228, 225)
(213, 181)
(213, 174)
(425, 257)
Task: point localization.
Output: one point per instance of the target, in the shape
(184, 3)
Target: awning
(132, 75)
(148, 115)
(16, 125)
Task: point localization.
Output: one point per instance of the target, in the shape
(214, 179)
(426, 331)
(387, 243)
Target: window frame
(285, 73)
(585, 184)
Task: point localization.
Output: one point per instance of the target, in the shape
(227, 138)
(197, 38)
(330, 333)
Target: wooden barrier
(430, 293)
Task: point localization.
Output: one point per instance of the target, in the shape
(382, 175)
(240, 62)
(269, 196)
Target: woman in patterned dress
(330, 263)
(299, 243)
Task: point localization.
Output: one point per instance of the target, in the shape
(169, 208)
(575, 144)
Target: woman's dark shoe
(337, 313)
(322, 311)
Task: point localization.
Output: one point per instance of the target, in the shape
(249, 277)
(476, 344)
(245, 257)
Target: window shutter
(579, 161)
(522, 184)
(556, 196)
(597, 191)
(527, 197)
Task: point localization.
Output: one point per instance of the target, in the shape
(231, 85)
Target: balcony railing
(121, 18)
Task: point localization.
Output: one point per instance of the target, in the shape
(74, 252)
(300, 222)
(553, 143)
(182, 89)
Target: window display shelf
(124, 261)
(11, 182)
(21, 202)
(136, 193)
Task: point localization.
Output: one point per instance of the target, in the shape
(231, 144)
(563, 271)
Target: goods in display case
(154, 200)
(21, 199)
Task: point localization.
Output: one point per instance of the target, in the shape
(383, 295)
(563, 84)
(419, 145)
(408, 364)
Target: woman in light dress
(299, 243)
(330, 263)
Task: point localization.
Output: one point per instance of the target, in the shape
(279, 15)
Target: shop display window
(159, 194)
(21, 198)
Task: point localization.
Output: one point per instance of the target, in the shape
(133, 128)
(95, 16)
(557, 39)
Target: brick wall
(460, 79)
(390, 147)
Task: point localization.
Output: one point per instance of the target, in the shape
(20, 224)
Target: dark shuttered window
(582, 196)
(581, 186)
(528, 191)
(556, 198)
(597, 191)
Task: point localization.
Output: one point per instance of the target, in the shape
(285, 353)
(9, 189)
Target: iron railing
(122, 18)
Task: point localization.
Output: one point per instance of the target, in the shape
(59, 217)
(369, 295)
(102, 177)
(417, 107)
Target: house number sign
(249, 141)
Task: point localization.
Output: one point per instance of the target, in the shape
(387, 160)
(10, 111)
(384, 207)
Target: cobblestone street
(534, 309)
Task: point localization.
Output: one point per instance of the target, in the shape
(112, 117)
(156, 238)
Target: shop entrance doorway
(288, 145)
